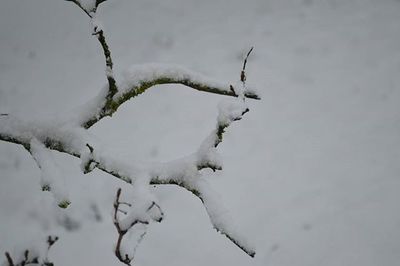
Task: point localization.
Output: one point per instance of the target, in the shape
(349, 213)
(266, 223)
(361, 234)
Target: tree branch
(141, 78)
(122, 230)
(73, 138)
(171, 173)
(99, 33)
(112, 85)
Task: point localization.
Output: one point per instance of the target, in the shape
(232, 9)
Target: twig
(243, 74)
(99, 33)
(121, 232)
(89, 163)
(136, 90)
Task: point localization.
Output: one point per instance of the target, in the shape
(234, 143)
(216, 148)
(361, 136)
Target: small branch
(200, 194)
(121, 232)
(215, 212)
(90, 148)
(125, 203)
(124, 258)
(121, 211)
(181, 77)
(112, 85)
(88, 162)
(243, 74)
(99, 33)
(51, 241)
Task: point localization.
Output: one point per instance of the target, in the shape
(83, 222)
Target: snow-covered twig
(52, 179)
(136, 216)
(186, 173)
(90, 8)
(140, 78)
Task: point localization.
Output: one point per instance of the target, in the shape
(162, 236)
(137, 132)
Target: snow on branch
(186, 172)
(52, 178)
(90, 8)
(70, 135)
(220, 218)
(139, 78)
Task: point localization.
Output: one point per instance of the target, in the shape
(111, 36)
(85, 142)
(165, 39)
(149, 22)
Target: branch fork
(73, 139)
(123, 227)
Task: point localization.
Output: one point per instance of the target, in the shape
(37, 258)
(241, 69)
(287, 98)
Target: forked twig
(124, 258)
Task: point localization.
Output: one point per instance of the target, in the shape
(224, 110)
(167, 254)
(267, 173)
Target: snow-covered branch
(141, 212)
(184, 172)
(70, 135)
(52, 178)
(139, 78)
(90, 8)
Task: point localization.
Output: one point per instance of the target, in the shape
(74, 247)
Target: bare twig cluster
(28, 258)
(122, 230)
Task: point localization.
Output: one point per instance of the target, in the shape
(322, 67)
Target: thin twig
(161, 80)
(243, 74)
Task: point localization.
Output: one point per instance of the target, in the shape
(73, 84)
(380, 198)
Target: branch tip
(243, 74)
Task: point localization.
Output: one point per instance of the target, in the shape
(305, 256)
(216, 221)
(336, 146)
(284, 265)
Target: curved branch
(172, 178)
(210, 206)
(140, 78)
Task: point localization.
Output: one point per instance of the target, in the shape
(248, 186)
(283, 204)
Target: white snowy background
(311, 174)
